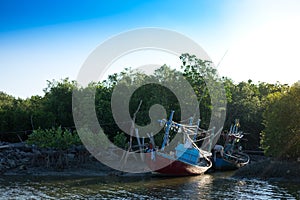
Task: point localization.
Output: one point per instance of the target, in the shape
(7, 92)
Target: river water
(208, 186)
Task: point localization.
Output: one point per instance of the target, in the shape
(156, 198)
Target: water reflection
(210, 186)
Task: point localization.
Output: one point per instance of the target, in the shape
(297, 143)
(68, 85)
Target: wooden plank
(4, 146)
(13, 145)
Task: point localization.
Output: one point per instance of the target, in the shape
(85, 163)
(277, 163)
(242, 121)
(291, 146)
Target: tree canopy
(271, 110)
(281, 136)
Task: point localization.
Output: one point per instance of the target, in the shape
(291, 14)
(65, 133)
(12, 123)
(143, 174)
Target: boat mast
(196, 132)
(166, 137)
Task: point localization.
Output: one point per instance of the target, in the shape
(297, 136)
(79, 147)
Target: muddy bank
(269, 169)
(22, 159)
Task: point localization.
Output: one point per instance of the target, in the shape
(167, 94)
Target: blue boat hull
(221, 164)
(232, 162)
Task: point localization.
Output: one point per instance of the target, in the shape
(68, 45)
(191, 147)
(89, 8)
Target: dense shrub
(281, 136)
(93, 140)
(120, 140)
(57, 138)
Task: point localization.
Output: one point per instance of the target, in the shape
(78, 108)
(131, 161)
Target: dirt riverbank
(265, 168)
(22, 159)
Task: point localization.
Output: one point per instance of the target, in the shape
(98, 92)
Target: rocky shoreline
(269, 169)
(22, 159)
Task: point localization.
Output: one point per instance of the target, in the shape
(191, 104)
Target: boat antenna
(222, 58)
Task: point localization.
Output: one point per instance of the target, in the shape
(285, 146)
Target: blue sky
(45, 40)
(21, 14)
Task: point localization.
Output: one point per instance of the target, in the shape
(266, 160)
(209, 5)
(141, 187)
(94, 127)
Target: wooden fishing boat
(231, 162)
(230, 156)
(186, 158)
(177, 166)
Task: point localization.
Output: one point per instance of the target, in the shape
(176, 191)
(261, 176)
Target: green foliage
(281, 136)
(12, 111)
(58, 102)
(245, 100)
(103, 109)
(52, 110)
(120, 140)
(56, 138)
(150, 95)
(93, 140)
(198, 72)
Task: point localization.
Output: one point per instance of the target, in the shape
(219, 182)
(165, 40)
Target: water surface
(209, 186)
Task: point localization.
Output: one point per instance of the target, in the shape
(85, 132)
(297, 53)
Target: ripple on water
(200, 187)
